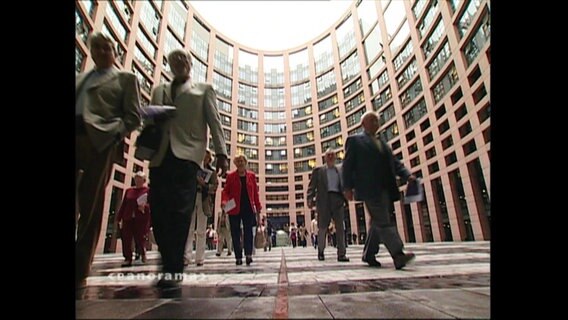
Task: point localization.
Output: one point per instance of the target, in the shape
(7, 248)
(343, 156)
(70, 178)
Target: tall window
(223, 56)
(480, 37)
(466, 19)
(144, 61)
(326, 83)
(222, 85)
(400, 37)
(367, 12)
(373, 45)
(116, 22)
(248, 95)
(177, 18)
(274, 97)
(146, 43)
(150, 18)
(248, 67)
(273, 70)
(345, 37)
(79, 60)
(433, 39)
(323, 54)
(198, 71)
(428, 18)
(299, 66)
(301, 94)
(350, 68)
(200, 40)
(82, 28)
(394, 16)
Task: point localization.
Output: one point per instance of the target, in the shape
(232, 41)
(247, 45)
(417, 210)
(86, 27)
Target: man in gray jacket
(370, 168)
(107, 109)
(326, 187)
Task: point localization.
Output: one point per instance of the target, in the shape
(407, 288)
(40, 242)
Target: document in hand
(230, 205)
(205, 174)
(414, 191)
(152, 111)
(142, 199)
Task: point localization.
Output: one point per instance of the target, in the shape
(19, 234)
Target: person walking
(369, 171)
(203, 210)
(133, 217)
(174, 167)
(224, 234)
(107, 109)
(324, 191)
(241, 201)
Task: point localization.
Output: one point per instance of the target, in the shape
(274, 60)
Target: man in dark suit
(173, 169)
(107, 109)
(325, 186)
(369, 167)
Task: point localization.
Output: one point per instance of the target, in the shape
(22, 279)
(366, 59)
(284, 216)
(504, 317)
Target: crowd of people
(179, 199)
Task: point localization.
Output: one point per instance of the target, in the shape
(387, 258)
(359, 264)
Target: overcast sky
(271, 25)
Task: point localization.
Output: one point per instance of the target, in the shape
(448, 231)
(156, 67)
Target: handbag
(259, 239)
(206, 205)
(148, 142)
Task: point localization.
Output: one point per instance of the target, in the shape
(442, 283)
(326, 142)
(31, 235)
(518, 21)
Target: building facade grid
(432, 94)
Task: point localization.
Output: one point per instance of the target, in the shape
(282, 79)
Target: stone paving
(447, 280)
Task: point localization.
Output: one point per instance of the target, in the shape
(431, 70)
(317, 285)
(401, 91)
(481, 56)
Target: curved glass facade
(423, 65)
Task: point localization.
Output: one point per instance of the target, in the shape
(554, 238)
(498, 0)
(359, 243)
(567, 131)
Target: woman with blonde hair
(241, 202)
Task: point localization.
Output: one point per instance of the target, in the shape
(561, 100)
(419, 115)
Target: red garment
(232, 190)
(129, 207)
(135, 223)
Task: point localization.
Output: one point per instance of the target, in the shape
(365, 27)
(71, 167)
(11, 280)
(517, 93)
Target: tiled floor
(447, 280)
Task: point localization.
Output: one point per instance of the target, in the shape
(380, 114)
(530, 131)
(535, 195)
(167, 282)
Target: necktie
(378, 143)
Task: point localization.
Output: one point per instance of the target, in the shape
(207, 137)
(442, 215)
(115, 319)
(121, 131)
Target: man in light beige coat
(224, 234)
(173, 169)
(107, 109)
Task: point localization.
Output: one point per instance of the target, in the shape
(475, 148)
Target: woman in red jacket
(241, 202)
(134, 218)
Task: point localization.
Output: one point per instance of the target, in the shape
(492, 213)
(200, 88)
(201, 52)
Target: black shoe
(168, 283)
(170, 292)
(218, 254)
(343, 259)
(228, 254)
(402, 260)
(371, 262)
(239, 262)
(248, 261)
(137, 257)
(321, 257)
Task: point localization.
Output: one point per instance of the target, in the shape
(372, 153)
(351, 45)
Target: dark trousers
(235, 221)
(136, 229)
(336, 213)
(173, 187)
(96, 168)
(382, 228)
